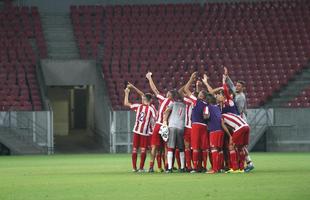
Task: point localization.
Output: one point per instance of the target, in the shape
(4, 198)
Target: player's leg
(154, 145)
(195, 144)
(171, 146)
(250, 165)
(226, 153)
(180, 144)
(215, 145)
(134, 153)
(205, 147)
(238, 139)
(220, 145)
(177, 157)
(188, 152)
(143, 145)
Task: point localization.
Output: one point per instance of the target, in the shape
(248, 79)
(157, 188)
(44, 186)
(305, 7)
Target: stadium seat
(173, 40)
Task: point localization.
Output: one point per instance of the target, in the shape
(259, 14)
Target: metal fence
(34, 128)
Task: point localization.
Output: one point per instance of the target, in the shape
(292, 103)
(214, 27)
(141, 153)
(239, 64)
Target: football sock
(241, 158)
(233, 159)
(221, 160)
(134, 159)
(152, 164)
(215, 158)
(199, 160)
(205, 158)
(142, 158)
(182, 159)
(195, 159)
(177, 157)
(188, 158)
(170, 157)
(158, 159)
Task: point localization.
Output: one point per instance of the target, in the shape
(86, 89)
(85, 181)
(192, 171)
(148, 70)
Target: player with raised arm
(226, 101)
(199, 133)
(152, 125)
(241, 104)
(144, 115)
(216, 128)
(157, 143)
(174, 118)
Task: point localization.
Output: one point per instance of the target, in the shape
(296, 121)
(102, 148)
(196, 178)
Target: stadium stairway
(291, 90)
(59, 36)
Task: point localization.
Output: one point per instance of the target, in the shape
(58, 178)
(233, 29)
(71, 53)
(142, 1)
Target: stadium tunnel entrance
(73, 108)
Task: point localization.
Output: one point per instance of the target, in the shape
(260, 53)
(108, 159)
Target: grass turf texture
(83, 177)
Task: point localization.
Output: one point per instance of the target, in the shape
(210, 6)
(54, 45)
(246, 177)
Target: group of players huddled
(201, 124)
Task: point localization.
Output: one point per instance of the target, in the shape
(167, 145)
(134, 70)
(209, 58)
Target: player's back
(233, 120)
(144, 116)
(197, 112)
(177, 116)
(214, 121)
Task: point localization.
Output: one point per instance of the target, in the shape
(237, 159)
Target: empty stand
(263, 43)
(20, 37)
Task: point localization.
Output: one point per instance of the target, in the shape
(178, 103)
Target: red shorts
(216, 139)
(156, 138)
(199, 137)
(241, 136)
(187, 134)
(140, 141)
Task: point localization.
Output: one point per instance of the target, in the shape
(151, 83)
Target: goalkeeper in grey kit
(174, 118)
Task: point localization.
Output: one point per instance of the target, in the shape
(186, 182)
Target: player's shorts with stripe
(175, 138)
(140, 141)
(187, 134)
(199, 137)
(241, 136)
(216, 139)
(156, 137)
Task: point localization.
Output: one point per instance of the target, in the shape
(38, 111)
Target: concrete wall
(68, 72)
(291, 130)
(102, 112)
(63, 6)
(59, 98)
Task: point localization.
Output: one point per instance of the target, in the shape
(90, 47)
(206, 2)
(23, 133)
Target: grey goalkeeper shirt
(177, 116)
(240, 99)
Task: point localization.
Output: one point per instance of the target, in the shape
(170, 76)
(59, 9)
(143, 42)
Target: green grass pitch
(109, 176)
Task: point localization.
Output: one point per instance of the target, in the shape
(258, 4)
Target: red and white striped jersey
(234, 121)
(189, 104)
(144, 116)
(163, 105)
(153, 120)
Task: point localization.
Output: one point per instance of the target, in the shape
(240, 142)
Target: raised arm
(209, 88)
(189, 83)
(135, 88)
(126, 98)
(225, 88)
(229, 81)
(152, 84)
(181, 91)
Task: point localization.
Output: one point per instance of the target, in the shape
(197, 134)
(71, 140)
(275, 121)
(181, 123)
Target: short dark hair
(195, 93)
(174, 93)
(211, 99)
(241, 82)
(148, 96)
(205, 93)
